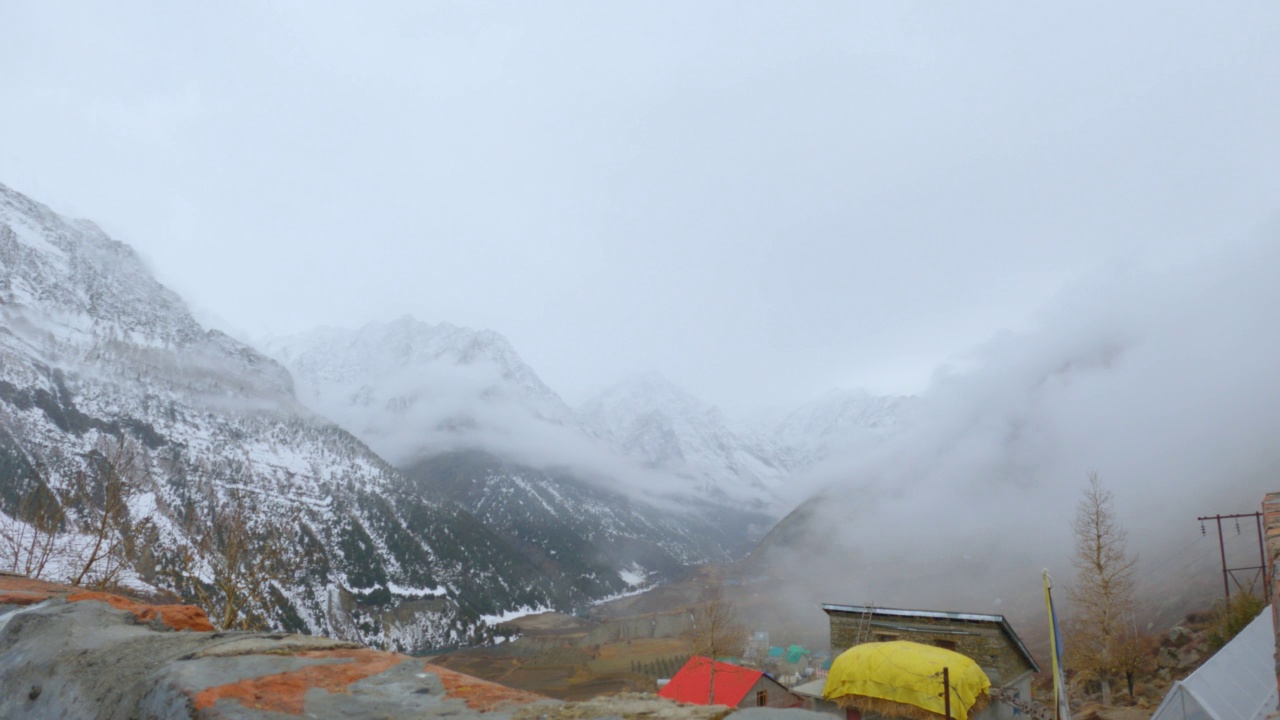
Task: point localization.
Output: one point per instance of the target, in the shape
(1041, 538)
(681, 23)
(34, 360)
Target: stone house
(988, 640)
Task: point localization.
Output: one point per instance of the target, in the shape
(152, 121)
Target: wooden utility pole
(946, 692)
(1229, 573)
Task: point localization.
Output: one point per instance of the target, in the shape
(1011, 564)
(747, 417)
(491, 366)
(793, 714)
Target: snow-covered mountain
(654, 422)
(840, 419)
(639, 480)
(410, 389)
(604, 541)
(93, 348)
(464, 417)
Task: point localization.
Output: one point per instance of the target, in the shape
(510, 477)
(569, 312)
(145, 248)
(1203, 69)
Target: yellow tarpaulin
(907, 673)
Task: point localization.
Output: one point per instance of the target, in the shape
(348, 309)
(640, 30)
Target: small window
(762, 698)
(945, 644)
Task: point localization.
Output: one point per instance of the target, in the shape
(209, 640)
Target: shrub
(1231, 616)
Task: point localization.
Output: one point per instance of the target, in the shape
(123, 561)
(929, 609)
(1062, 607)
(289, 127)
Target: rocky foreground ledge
(68, 653)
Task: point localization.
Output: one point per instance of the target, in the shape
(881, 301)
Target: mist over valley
(530, 337)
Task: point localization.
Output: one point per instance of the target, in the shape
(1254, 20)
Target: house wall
(984, 642)
(1002, 711)
(823, 706)
(779, 696)
(1271, 525)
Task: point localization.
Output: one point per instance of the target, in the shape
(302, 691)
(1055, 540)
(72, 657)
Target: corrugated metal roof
(940, 615)
(693, 683)
(813, 688)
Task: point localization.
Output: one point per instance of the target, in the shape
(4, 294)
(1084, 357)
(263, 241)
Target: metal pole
(1222, 547)
(1262, 555)
(946, 691)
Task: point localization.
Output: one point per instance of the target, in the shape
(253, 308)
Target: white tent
(1237, 683)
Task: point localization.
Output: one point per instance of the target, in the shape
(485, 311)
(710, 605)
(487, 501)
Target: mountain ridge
(371, 379)
(94, 350)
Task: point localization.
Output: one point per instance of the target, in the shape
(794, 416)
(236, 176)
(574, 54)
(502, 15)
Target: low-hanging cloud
(1165, 384)
(427, 408)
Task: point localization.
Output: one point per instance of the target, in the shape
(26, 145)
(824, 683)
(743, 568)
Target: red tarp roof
(693, 683)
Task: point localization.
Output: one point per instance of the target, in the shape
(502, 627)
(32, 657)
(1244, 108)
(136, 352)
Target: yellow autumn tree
(1102, 600)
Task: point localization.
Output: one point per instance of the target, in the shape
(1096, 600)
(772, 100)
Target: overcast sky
(759, 200)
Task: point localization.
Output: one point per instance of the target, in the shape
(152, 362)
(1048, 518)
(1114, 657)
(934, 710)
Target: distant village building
(988, 640)
(757, 647)
(734, 686)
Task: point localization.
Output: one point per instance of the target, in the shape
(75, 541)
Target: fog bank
(1164, 383)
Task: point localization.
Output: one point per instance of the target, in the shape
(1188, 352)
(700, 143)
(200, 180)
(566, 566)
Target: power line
(1229, 573)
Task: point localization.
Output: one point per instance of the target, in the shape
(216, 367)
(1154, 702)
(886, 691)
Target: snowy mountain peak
(409, 388)
(655, 422)
(337, 353)
(642, 394)
(843, 417)
(78, 282)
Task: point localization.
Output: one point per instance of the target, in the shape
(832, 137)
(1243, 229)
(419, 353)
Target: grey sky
(760, 200)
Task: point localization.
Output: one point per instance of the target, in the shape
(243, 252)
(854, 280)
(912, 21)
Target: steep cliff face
(93, 348)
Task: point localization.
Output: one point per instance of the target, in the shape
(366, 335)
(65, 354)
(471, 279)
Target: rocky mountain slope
(93, 348)
(465, 418)
(602, 541)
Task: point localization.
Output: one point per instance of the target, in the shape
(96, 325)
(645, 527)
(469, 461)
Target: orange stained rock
(27, 591)
(18, 597)
(285, 692)
(178, 617)
(480, 694)
(43, 588)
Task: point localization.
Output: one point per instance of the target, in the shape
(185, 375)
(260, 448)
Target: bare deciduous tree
(101, 501)
(81, 531)
(29, 539)
(716, 630)
(1102, 597)
(232, 559)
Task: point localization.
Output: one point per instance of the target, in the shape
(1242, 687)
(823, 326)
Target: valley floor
(626, 645)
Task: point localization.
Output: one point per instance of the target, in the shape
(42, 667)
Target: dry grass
(1094, 711)
(569, 673)
(619, 657)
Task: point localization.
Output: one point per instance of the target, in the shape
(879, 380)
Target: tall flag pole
(1063, 712)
